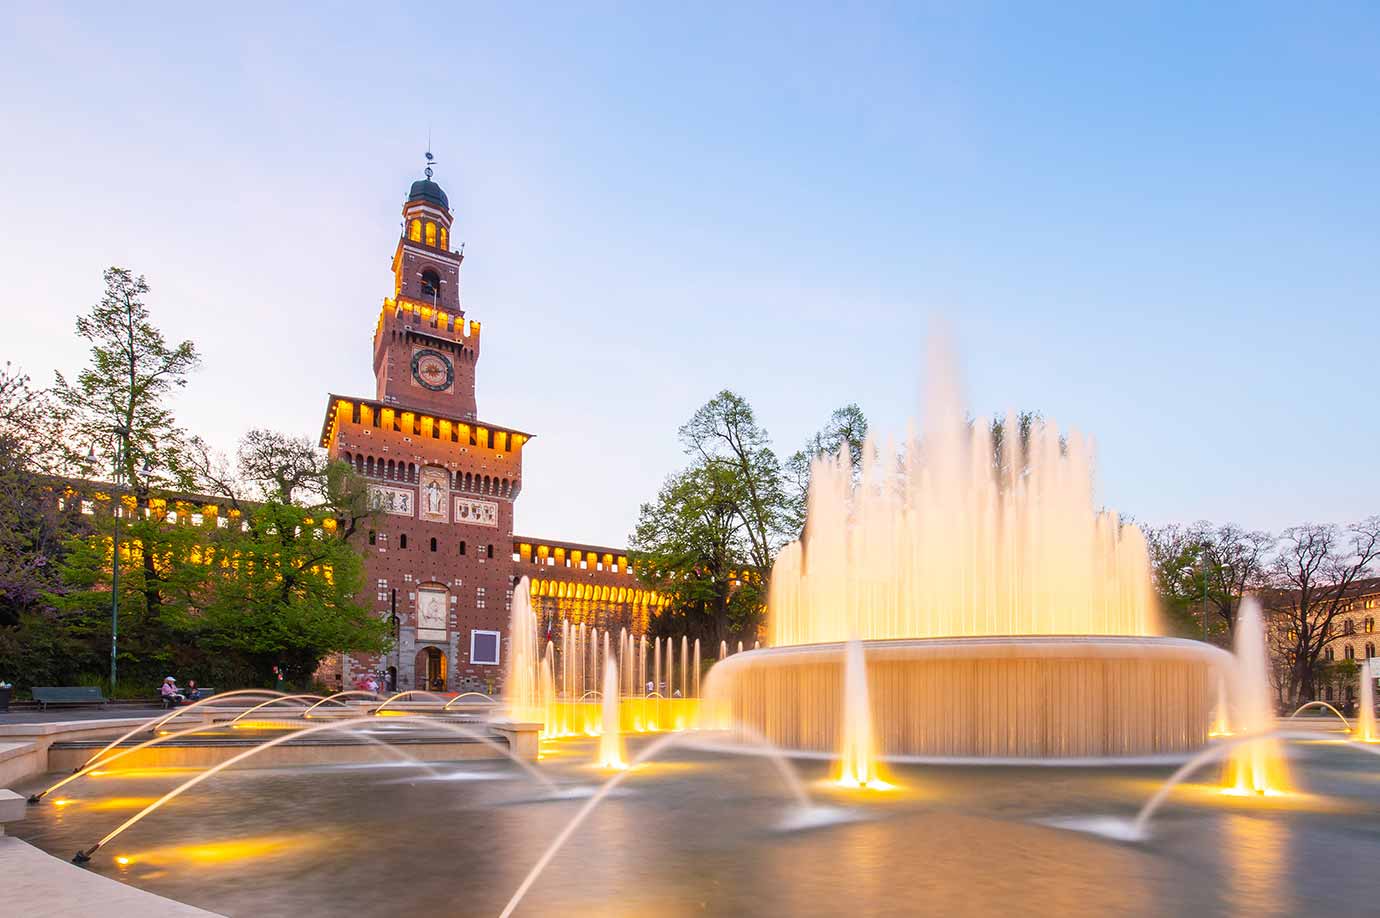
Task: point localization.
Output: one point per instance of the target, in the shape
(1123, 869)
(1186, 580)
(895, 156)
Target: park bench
(68, 694)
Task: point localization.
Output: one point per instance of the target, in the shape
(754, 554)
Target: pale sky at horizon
(1160, 226)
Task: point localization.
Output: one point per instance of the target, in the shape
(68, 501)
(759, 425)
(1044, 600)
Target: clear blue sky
(1158, 223)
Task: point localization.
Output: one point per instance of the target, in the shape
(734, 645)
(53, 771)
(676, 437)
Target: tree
(283, 583)
(162, 578)
(690, 545)
(1310, 583)
(1231, 560)
(119, 403)
(725, 437)
(1341, 675)
(34, 527)
(1174, 552)
(711, 535)
(846, 430)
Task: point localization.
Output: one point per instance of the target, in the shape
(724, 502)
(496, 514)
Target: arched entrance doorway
(431, 669)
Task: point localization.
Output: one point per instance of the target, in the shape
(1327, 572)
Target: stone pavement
(85, 712)
(38, 885)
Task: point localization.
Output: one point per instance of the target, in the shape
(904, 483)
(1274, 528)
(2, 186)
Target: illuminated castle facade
(441, 560)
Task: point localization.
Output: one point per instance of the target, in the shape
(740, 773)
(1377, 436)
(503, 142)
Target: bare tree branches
(1312, 578)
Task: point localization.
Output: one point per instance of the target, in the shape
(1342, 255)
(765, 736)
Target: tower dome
(427, 190)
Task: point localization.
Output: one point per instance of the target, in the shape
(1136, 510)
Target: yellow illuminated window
(430, 233)
(415, 232)
(445, 241)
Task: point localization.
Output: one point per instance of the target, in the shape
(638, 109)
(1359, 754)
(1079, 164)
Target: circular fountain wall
(989, 698)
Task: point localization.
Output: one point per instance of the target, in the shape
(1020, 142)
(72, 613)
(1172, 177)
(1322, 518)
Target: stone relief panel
(397, 501)
(476, 512)
(433, 494)
(431, 615)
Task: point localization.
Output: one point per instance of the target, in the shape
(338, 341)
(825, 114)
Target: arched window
(1329, 693)
(373, 537)
(431, 283)
(1349, 627)
(415, 232)
(402, 541)
(1328, 655)
(445, 239)
(433, 543)
(1370, 650)
(430, 233)
(1370, 624)
(1350, 652)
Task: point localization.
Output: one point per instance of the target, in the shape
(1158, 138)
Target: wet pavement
(698, 832)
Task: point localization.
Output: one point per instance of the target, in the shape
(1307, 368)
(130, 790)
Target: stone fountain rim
(1011, 646)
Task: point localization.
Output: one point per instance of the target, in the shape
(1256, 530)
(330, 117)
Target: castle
(441, 561)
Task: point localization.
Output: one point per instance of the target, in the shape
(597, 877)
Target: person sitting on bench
(170, 693)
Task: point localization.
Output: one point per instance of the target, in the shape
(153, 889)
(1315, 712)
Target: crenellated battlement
(427, 317)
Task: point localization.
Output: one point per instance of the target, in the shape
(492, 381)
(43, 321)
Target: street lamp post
(121, 451)
(1202, 563)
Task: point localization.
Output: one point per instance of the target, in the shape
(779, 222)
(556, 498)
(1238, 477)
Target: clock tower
(442, 482)
(424, 350)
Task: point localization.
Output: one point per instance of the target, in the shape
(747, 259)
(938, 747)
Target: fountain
(1256, 767)
(611, 734)
(858, 759)
(520, 687)
(1365, 717)
(550, 711)
(1221, 723)
(1003, 615)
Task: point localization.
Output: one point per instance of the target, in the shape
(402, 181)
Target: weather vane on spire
(430, 160)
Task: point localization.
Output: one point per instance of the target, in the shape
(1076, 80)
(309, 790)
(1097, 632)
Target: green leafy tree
(690, 545)
(1174, 553)
(285, 575)
(1222, 563)
(724, 437)
(162, 577)
(711, 535)
(846, 430)
(119, 404)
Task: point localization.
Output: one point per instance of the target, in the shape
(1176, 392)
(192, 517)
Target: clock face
(432, 370)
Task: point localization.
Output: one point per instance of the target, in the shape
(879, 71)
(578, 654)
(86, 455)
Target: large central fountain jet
(961, 533)
(1002, 614)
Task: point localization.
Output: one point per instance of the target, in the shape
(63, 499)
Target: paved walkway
(38, 885)
(86, 712)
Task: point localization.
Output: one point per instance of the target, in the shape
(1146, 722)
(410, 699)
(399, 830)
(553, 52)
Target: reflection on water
(709, 833)
(1256, 849)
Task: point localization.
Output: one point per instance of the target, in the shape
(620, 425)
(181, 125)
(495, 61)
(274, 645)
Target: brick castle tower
(438, 559)
(441, 560)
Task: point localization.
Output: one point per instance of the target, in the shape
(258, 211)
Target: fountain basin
(1022, 698)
